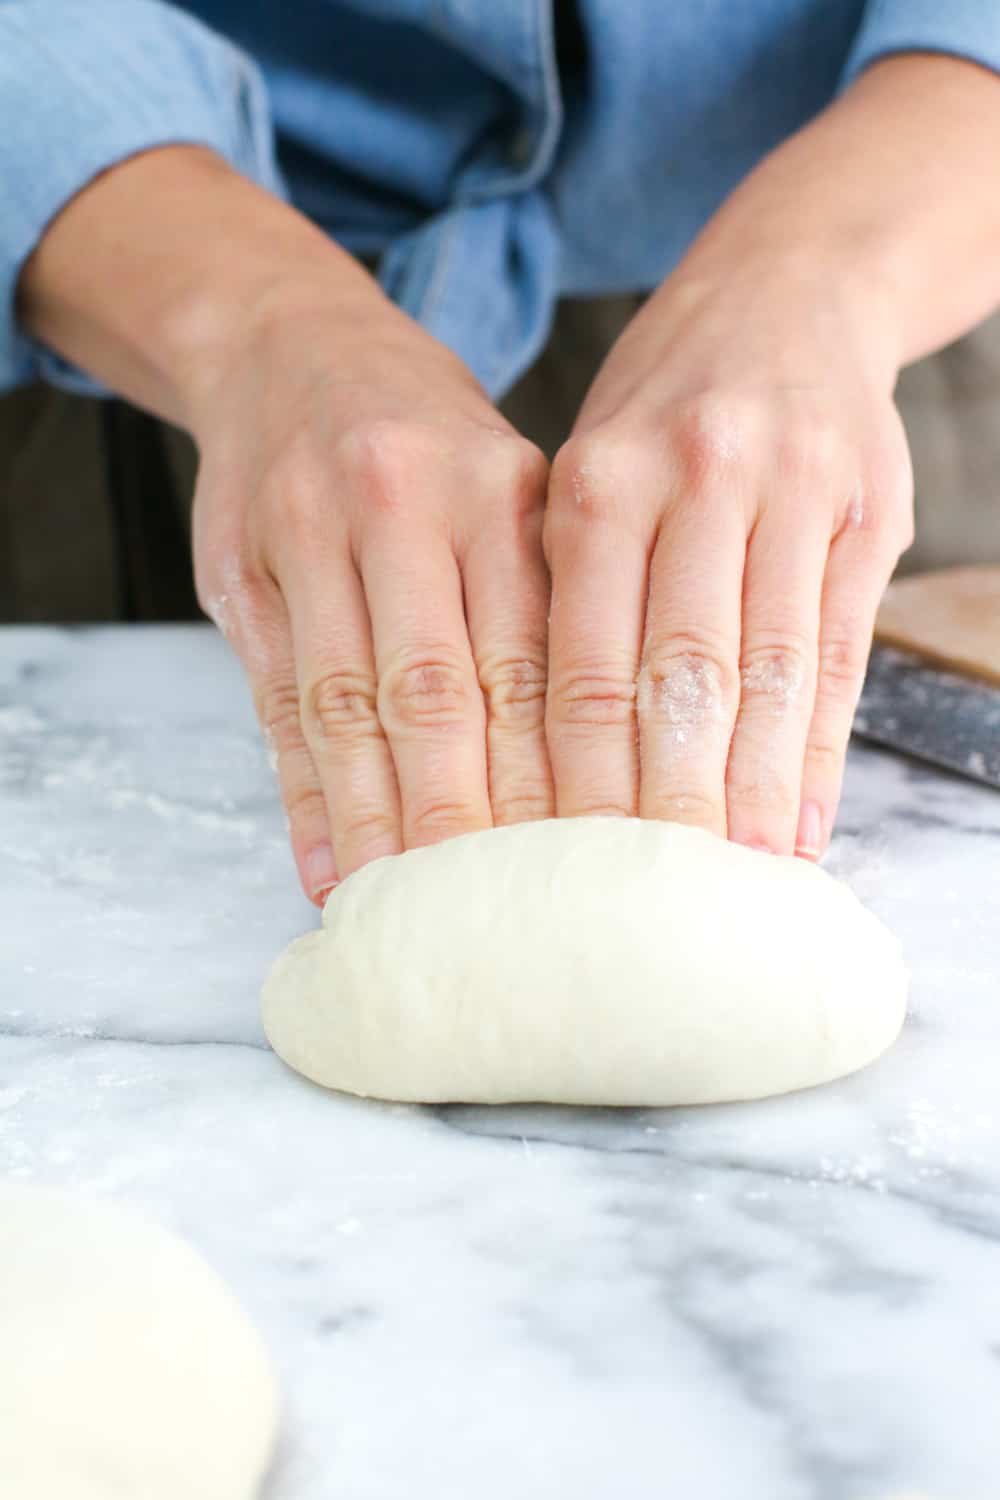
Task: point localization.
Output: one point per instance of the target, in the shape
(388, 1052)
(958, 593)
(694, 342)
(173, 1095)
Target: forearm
(149, 275)
(896, 187)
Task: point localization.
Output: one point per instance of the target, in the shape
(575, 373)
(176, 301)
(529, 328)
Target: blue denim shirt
(439, 134)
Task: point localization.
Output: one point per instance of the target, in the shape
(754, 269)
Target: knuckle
(514, 690)
(426, 692)
(811, 449)
(305, 804)
(605, 807)
(592, 699)
(513, 465)
(843, 657)
(689, 805)
(775, 676)
(278, 712)
(368, 828)
(888, 478)
(826, 756)
(380, 458)
(433, 822)
(891, 526)
(686, 682)
(231, 590)
(708, 434)
(293, 495)
(339, 704)
(524, 806)
(589, 475)
(763, 791)
(904, 530)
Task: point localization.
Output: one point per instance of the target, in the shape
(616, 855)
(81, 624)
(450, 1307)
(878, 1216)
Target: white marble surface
(796, 1300)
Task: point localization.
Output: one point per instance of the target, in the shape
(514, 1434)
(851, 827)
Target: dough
(128, 1369)
(586, 961)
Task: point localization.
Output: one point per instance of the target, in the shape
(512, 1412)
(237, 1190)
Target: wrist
(151, 276)
(798, 282)
(846, 195)
(260, 316)
(260, 283)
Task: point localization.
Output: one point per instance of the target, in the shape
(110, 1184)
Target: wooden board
(950, 618)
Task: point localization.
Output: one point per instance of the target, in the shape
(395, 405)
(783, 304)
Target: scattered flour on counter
(18, 718)
(174, 812)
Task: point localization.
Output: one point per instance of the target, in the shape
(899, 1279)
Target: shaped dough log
(129, 1370)
(586, 961)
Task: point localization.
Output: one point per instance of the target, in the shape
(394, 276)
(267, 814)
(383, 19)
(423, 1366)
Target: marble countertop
(794, 1300)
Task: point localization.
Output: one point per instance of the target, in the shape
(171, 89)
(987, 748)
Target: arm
(737, 488)
(151, 273)
(84, 88)
(898, 186)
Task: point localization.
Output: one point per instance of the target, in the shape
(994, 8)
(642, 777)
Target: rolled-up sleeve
(85, 84)
(964, 28)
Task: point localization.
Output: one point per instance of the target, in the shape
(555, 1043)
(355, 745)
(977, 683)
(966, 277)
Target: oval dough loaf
(128, 1369)
(586, 961)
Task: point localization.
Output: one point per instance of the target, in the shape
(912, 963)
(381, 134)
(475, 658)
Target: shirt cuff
(968, 29)
(84, 87)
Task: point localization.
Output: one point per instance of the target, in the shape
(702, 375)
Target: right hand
(367, 526)
(367, 535)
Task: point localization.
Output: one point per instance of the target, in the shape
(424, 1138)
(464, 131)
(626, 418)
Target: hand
(721, 525)
(367, 527)
(367, 534)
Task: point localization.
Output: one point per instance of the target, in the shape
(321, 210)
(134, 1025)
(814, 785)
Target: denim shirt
(446, 137)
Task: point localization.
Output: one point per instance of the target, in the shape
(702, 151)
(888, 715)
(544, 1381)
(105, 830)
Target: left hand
(721, 525)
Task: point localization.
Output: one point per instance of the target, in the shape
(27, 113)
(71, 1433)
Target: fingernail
(321, 872)
(809, 839)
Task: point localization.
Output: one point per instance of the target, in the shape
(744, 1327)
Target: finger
(598, 554)
(335, 672)
(429, 699)
(255, 622)
(858, 571)
(689, 674)
(783, 584)
(506, 593)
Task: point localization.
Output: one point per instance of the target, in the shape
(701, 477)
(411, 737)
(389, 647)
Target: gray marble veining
(793, 1300)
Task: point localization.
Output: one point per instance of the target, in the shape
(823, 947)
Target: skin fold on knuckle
(434, 821)
(592, 483)
(685, 803)
(363, 832)
(522, 801)
(709, 437)
(591, 698)
(379, 458)
(761, 796)
(278, 712)
(239, 601)
(810, 450)
(825, 758)
(843, 658)
(428, 692)
(684, 702)
(340, 705)
(777, 680)
(305, 806)
(514, 469)
(514, 690)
